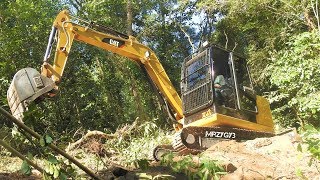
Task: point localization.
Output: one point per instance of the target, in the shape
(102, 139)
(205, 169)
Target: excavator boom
(209, 110)
(29, 85)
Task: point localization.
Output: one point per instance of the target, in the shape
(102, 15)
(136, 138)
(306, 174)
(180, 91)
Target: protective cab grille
(197, 98)
(196, 83)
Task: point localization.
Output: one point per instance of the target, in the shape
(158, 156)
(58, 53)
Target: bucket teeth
(27, 85)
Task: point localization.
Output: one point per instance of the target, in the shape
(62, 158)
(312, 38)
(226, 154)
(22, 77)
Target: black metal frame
(201, 97)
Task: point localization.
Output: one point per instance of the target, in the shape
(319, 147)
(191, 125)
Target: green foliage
(184, 165)
(23, 35)
(52, 167)
(45, 140)
(26, 168)
(210, 168)
(295, 73)
(48, 139)
(99, 90)
(311, 136)
(205, 168)
(280, 40)
(300, 174)
(257, 27)
(92, 75)
(143, 164)
(103, 91)
(135, 146)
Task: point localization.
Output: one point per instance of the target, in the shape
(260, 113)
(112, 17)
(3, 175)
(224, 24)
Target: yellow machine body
(264, 119)
(28, 85)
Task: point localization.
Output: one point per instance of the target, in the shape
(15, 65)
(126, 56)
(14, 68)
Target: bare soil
(266, 158)
(263, 158)
(18, 176)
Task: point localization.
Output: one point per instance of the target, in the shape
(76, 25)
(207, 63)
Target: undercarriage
(194, 140)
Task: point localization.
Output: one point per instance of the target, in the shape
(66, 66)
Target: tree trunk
(129, 18)
(134, 87)
(308, 20)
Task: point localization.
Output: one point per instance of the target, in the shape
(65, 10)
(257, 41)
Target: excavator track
(193, 140)
(160, 150)
(181, 146)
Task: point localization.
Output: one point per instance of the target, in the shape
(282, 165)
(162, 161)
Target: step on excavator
(217, 101)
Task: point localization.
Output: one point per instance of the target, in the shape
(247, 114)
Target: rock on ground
(265, 158)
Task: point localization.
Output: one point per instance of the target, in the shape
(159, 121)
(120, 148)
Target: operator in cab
(217, 84)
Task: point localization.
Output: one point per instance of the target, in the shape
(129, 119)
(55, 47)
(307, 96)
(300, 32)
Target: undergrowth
(311, 136)
(135, 146)
(200, 167)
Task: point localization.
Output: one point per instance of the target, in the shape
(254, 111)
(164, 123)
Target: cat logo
(113, 42)
(206, 113)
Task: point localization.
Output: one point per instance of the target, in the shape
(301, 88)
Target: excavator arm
(28, 85)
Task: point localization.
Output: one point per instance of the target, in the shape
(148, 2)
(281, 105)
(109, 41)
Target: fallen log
(52, 146)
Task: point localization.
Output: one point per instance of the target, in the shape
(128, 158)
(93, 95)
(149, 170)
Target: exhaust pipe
(27, 85)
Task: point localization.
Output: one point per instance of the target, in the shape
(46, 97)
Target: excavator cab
(235, 97)
(218, 100)
(228, 111)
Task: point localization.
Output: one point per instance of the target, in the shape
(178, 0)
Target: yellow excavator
(208, 111)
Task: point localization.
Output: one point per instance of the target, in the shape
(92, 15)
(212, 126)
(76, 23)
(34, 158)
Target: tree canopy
(101, 90)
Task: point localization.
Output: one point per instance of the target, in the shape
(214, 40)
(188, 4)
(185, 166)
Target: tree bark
(17, 153)
(309, 21)
(129, 18)
(52, 146)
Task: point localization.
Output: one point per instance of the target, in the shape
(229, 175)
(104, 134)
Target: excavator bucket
(27, 85)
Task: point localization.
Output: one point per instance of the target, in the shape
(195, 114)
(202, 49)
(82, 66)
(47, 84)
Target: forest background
(102, 91)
